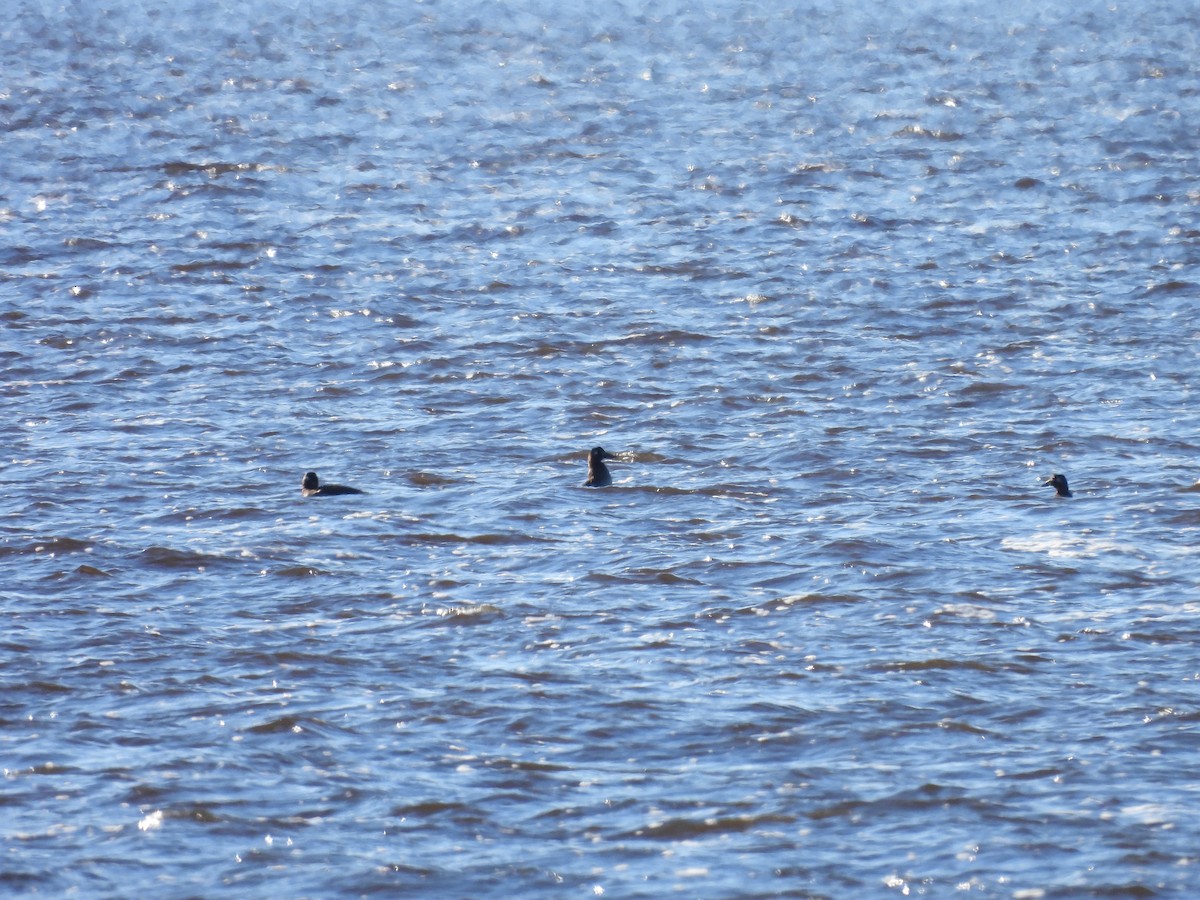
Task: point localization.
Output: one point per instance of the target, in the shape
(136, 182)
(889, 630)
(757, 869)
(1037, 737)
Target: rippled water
(840, 286)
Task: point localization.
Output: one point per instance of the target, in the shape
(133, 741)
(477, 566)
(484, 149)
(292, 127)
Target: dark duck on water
(312, 487)
(1059, 483)
(598, 474)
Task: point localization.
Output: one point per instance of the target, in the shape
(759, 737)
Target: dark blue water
(840, 286)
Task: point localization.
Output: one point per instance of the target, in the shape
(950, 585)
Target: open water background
(842, 283)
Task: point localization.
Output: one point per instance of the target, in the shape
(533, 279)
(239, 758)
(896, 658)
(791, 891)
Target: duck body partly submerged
(311, 487)
(1059, 483)
(598, 474)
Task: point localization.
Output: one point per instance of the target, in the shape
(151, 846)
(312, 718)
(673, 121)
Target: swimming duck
(312, 487)
(598, 474)
(1059, 483)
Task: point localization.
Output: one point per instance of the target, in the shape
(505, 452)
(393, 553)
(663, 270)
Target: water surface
(841, 286)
